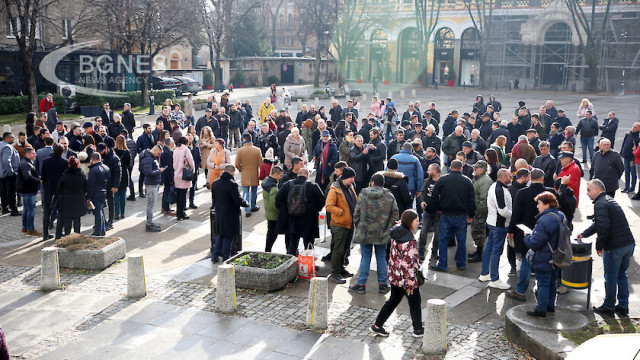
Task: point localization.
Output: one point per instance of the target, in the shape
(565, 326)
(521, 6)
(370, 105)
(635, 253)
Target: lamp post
(624, 61)
(152, 105)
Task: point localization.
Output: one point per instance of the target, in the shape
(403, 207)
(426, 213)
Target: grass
(608, 326)
(20, 118)
(77, 241)
(263, 261)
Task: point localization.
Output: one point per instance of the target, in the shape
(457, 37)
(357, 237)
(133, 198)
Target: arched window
(445, 38)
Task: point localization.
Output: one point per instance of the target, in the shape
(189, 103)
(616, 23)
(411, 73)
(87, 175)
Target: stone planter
(200, 106)
(92, 259)
(247, 277)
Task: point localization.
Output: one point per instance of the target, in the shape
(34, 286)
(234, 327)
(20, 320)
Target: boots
(476, 256)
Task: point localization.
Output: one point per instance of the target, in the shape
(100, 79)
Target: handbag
(172, 195)
(187, 171)
(420, 277)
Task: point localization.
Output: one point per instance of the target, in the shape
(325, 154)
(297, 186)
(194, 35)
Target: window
(67, 28)
(9, 26)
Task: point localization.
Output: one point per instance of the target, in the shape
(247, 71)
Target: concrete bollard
(390, 95)
(299, 102)
(413, 93)
(226, 290)
(435, 328)
(317, 101)
(136, 282)
(364, 97)
(318, 304)
(332, 98)
(401, 94)
(7, 128)
(347, 98)
(49, 271)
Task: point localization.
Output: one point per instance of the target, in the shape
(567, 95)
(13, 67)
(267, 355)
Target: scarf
(323, 160)
(348, 195)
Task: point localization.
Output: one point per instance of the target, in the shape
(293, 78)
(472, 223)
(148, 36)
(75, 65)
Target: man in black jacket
(50, 173)
(431, 217)
(630, 142)
(379, 152)
(588, 130)
(111, 160)
(27, 185)
(546, 163)
(396, 145)
(615, 243)
(609, 127)
(166, 162)
(607, 166)
(453, 195)
(227, 203)
(115, 127)
(235, 126)
(128, 120)
(106, 114)
(97, 190)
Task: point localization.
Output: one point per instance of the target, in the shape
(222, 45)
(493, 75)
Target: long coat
(307, 224)
(227, 203)
(51, 172)
(179, 163)
(248, 162)
(72, 194)
(292, 148)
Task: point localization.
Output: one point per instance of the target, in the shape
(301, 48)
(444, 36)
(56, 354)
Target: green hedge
(133, 97)
(21, 104)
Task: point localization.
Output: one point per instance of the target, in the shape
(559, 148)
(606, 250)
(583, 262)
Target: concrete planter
(247, 277)
(92, 259)
(200, 106)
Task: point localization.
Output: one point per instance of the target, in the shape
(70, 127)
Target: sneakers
(152, 228)
(562, 289)
(515, 296)
(384, 288)
(338, 279)
(499, 284)
(360, 289)
(484, 278)
(513, 271)
(378, 331)
(417, 333)
(346, 274)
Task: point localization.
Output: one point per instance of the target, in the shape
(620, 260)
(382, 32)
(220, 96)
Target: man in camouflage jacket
(375, 213)
(481, 184)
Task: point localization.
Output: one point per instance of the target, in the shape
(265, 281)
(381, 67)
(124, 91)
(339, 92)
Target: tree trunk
(424, 77)
(144, 89)
(218, 73)
(482, 65)
(30, 74)
(316, 75)
(592, 72)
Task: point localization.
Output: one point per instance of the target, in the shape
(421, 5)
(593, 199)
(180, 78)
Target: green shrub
(273, 80)
(133, 97)
(21, 104)
(318, 92)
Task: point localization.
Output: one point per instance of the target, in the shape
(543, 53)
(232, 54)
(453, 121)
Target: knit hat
(87, 124)
(392, 164)
(480, 164)
(405, 123)
(521, 103)
(348, 172)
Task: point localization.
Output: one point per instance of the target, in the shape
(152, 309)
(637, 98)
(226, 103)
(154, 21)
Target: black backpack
(296, 199)
(563, 255)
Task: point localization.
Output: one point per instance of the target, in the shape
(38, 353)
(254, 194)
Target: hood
(392, 175)
(375, 192)
(269, 183)
(400, 234)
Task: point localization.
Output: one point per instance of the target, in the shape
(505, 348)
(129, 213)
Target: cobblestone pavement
(479, 340)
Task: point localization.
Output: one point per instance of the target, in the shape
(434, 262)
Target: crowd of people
(380, 177)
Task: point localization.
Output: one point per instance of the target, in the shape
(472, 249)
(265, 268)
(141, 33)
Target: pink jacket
(179, 164)
(375, 108)
(636, 153)
(583, 110)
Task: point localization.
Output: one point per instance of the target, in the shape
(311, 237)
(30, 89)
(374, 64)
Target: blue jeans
(254, 196)
(120, 202)
(28, 210)
(451, 226)
(630, 175)
(365, 263)
(547, 289)
(98, 227)
(587, 145)
(222, 247)
(616, 262)
(493, 250)
(525, 276)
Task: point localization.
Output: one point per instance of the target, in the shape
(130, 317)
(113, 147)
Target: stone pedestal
(435, 328)
(390, 95)
(318, 304)
(346, 99)
(7, 128)
(413, 93)
(364, 97)
(299, 104)
(401, 94)
(49, 271)
(317, 102)
(136, 283)
(226, 290)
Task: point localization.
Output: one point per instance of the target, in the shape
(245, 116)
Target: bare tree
(591, 30)
(320, 16)
(481, 13)
(273, 20)
(427, 16)
(303, 30)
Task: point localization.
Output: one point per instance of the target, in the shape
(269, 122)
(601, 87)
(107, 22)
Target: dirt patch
(262, 261)
(77, 241)
(610, 326)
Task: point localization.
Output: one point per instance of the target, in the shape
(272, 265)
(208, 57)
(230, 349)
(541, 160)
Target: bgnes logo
(95, 67)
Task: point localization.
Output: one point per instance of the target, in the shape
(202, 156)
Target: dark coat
(144, 142)
(610, 224)
(433, 142)
(607, 167)
(107, 118)
(227, 203)
(630, 139)
(547, 230)
(150, 168)
(486, 129)
(97, 181)
(72, 194)
(378, 154)
(166, 159)
(587, 128)
(307, 224)
(398, 184)
(28, 181)
(332, 157)
(548, 165)
(115, 128)
(453, 194)
(129, 121)
(115, 169)
(609, 128)
(51, 172)
(501, 130)
(125, 166)
(361, 163)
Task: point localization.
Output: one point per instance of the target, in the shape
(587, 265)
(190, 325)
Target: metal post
(624, 62)
(589, 286)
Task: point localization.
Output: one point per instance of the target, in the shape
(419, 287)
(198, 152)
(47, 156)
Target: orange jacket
(337, 205)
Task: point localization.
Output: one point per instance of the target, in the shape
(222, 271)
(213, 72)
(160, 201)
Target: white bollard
(435, 328)
(7, 128)
(332, 98)
(401, 94)
(317, 101)
(318, 304)
(136, 282)
(226, 290)
(347, 98)
(364, 97)
(390, 95)
(299, 104)
(413, 93)
(49, 271)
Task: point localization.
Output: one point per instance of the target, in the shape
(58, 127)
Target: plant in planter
(451, 75)
(263, 271)
(78, 251)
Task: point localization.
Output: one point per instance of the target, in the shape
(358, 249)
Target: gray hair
(432, 128)
(116, 116)
(522, 137)
(598, 184)
(127, 104)
(504, 123)
(168, 141)
(571, 129)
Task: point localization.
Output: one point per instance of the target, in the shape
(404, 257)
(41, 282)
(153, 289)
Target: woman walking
(72, 198)
(206, 143)
(197, 159)
(182, 160)
(294, 146)
(218, 158)
(403, 265)
(120, 198)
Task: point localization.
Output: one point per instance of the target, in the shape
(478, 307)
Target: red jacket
(636, 153)
(574, 182)
(45, 105)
